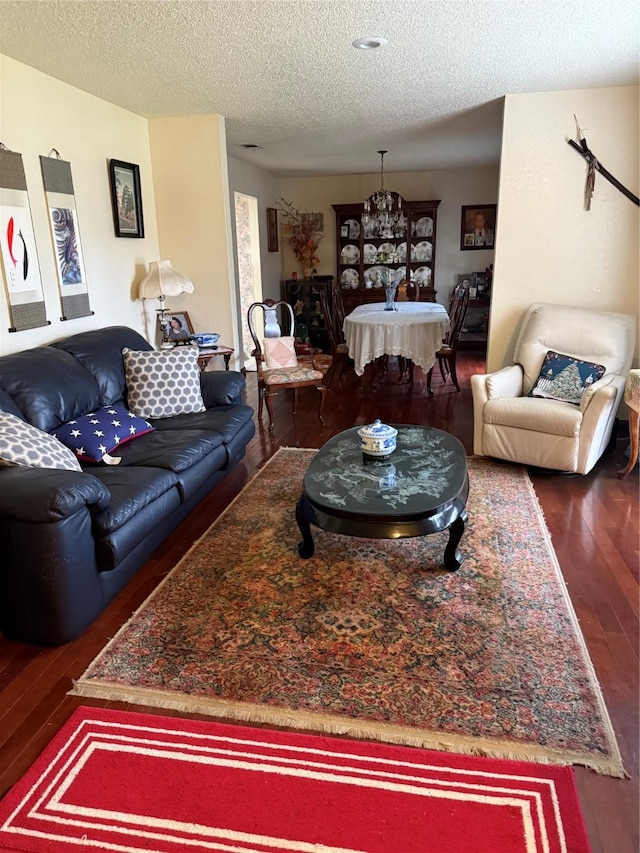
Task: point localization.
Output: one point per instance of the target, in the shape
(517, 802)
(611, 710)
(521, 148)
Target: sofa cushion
(25, 445)
(94, 436)
(565, 378)
(48, 386)
(100, 353)
(172, 450)
(162, 384)
(224, 420)
(131, 490)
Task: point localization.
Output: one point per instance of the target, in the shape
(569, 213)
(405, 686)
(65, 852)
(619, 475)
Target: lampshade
(162, 280)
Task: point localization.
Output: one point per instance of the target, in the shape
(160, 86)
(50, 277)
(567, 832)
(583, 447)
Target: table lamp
(162, 281)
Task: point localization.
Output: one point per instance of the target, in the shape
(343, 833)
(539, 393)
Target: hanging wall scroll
(19, 256)
(58, 186)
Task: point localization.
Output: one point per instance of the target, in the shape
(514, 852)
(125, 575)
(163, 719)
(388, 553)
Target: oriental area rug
(372, 638)
(132, 782)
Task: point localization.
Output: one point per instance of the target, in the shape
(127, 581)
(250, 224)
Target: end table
(632, 399)
(207, 353)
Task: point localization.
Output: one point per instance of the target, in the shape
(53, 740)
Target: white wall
(548, 248)
(40, 113)
(454, 187)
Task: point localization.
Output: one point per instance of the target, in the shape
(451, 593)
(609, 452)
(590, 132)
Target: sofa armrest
(221, 387)
(49, 495)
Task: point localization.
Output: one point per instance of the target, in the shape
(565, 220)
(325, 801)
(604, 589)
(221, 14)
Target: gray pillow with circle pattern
(162, 384)
(25, 445)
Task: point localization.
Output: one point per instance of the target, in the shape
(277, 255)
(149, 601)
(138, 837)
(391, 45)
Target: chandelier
(382, 215)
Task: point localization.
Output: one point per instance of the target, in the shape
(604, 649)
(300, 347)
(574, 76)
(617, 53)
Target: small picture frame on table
(126, 199)
(179, 328)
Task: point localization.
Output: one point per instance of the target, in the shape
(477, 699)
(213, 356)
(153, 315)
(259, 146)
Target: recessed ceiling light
(249, 145)
(369, 42)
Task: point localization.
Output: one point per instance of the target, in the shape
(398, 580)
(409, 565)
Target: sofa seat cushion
(172, 450)
(539, 415)
(224, 420)
(131, 490)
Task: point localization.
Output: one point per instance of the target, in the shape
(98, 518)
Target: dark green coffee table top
(425, 473)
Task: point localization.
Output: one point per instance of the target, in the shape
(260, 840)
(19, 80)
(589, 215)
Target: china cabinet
(363, 253)
(304, 297)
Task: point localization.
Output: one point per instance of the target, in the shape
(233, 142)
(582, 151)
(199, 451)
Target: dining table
(412, 330)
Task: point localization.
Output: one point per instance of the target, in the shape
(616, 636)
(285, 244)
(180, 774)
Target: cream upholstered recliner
(551, 433)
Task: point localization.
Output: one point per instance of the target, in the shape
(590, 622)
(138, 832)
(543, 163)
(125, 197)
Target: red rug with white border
(120, 781)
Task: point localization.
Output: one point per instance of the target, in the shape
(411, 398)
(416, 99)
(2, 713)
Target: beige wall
(39, 113)
(454, 187)
(548, 248)
(263, 186)
(189, 159)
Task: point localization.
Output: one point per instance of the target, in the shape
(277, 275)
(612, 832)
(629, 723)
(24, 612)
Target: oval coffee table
(421, 488)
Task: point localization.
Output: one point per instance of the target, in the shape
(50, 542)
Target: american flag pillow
(93, 437)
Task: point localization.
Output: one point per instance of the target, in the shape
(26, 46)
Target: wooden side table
(207, 353)
(632, 399)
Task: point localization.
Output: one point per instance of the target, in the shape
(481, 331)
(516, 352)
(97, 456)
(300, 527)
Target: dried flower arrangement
(304, 235)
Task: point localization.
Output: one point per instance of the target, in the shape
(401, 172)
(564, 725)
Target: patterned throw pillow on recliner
(162, 384)
(565, 378)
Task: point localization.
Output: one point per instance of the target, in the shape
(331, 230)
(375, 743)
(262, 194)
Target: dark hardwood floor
(594, 525)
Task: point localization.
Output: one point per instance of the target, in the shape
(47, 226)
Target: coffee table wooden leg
(452, 557)
(306, 547)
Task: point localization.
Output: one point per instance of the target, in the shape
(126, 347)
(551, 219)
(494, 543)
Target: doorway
(249, 269)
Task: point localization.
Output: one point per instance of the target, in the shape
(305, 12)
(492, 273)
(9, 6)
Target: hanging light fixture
(382, 215)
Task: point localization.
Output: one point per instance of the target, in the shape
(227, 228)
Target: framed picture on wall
(272, 229)
(478, 227)
(126, 199)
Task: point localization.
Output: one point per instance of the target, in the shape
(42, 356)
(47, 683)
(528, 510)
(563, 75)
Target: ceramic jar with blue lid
(377, 440)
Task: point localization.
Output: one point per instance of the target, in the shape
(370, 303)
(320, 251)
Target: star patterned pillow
(93, 437)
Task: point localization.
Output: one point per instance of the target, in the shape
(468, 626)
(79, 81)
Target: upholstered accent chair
(528, 413)
(276, 359)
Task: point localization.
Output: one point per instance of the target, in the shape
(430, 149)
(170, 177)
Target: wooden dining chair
(448, 352)
(276, 360)
(339, 349)
(408, 291)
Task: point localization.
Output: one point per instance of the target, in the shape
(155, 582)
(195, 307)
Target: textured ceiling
(285, 76)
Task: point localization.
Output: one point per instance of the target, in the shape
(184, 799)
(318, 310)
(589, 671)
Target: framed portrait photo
(126, 199)
(179, 328)
(478, 227)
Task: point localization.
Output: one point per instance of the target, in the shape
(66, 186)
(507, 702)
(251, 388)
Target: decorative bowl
(377, 439)
(205, 339)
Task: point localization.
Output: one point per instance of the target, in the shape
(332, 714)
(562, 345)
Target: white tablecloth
(415, 330)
